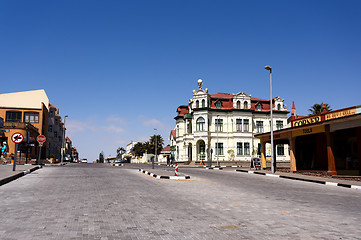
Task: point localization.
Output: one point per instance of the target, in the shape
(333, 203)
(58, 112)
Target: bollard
(176, 170)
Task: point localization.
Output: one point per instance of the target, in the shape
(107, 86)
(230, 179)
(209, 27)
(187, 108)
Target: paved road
(93, 201)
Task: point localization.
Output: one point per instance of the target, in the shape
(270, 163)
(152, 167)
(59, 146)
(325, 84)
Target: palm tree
(317, 108)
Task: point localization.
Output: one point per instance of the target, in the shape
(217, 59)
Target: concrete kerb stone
(164, 176)
(18, 175)
(302, 179)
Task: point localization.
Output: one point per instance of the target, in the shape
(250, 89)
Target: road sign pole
(16, 152)
(39, 154)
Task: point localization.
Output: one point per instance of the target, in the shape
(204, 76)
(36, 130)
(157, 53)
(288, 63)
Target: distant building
(55, 133)
(221, 127)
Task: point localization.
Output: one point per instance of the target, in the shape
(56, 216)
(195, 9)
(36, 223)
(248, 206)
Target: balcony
(20, 125)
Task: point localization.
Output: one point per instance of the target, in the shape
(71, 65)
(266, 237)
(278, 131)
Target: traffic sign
(41, 139)
(17, 138)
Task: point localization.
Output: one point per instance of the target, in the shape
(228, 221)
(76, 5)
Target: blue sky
(119, 69)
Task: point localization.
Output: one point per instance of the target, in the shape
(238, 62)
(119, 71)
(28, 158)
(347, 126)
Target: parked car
(84, 160)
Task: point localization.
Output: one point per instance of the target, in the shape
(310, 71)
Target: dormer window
(203, 103)
(197, 104)
(245, 105)
(279, 107)
(238, 104)
(259, 107)
(219, 104)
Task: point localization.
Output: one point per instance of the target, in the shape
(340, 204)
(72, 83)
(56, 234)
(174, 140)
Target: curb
(165, 177)
(303, 179)
(117, 165)
(18, 175)
(215, 168)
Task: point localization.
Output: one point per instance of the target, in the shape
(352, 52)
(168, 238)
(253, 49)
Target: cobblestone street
(94, 201)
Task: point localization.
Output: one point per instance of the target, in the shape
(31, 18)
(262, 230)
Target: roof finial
(200, 83)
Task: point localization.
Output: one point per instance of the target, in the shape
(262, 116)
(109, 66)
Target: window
(246, 149)
(203, 103)
(259, 126)
(239, 148)
(51, 114)
(238, 104)
(238, 125)
(245, 105)
(219, 149)
(197, 104)
(219, 125)
(200, 124)
(55, 134)
(245, 125)
(279, 107)
(279, 125)
(31, 117)
(177, 153)
(56, 121)
(259, 107)
(50, 128)
(280, 150)
(219, 104)
(177, 132)
(189, 126)
(59, 138)
(13, 116)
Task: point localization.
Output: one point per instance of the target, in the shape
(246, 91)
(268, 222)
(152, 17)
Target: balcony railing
(19, 125)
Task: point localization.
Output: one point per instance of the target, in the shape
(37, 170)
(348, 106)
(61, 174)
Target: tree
(156, 139)
(120, 152)
(138, 149)
(101, 157)
(317, 108)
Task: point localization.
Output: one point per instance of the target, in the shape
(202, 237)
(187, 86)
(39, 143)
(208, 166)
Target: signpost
(16, 138)
(41, 139)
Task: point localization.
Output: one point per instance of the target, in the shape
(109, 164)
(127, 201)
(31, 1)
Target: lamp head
(268, 68)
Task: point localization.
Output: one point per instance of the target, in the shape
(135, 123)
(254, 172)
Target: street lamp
(63, 142)
(268, 68)
(217, 147)
(155, 147)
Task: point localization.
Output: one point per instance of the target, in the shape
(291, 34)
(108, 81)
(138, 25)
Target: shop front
(330, 142)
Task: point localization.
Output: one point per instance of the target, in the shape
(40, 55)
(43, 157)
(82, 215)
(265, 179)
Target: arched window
(238, 104)
(203, 103)
(197, 104)
(200, 124)
(279, 107)
(245, 105)
(259, 107)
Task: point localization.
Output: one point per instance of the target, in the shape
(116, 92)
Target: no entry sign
(17, 138)
(41, 139)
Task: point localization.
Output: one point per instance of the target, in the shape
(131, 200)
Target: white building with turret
(221, 127)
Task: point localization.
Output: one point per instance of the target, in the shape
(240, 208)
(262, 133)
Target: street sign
(17, 138)
(41, 139)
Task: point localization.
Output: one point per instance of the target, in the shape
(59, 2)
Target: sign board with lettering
(339, 114)
(306, 121)
(308, 131)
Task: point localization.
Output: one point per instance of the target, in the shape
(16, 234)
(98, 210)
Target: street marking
(331, 184)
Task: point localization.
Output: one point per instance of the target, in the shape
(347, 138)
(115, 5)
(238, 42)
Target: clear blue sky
(119, 69)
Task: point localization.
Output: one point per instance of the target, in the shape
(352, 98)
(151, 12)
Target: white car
(84, 160)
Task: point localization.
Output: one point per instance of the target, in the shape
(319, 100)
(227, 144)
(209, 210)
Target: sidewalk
(301, 177)
(7, 174)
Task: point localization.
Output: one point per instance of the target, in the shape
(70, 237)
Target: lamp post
(268, 68)
(155, 147)
(217, 147)
(63, 142)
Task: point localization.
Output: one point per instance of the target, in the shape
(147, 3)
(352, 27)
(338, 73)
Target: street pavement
(97, 201)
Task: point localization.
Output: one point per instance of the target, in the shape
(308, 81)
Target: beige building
(26, 113)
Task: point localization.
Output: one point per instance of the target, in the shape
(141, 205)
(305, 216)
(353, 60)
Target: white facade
(238, 117)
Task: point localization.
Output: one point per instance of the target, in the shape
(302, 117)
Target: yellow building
(25, 113)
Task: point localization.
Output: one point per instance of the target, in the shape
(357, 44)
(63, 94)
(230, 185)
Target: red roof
(222, 96)
(166, 148)
(183, 109)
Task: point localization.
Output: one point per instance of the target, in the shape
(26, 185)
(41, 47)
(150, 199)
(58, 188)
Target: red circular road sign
(41, 138)
(17, 138)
